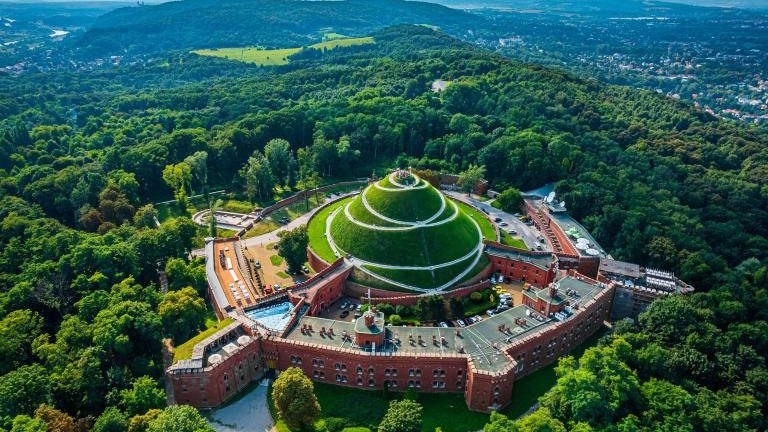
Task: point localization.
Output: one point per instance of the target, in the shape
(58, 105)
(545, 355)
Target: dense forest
(82, 157)
(196, 24)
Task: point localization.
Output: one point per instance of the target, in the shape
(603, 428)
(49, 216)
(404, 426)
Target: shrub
(386, 308)
(403, 310)
(331, 424)
(476, 297)
(395, 319)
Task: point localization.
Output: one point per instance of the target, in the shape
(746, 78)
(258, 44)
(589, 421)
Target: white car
(443, 324)
(460, 322)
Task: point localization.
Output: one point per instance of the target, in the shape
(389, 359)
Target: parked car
(490, 312)
(257, 264)
(344, 305)
(484, 210)
(460, 322)
(358, 307)
(477, 318)
(443, 324)
(353, 306)
(513, 232)
(503, 224)
(497, 219)
(276, 287)
(304, 269)
(344, 314)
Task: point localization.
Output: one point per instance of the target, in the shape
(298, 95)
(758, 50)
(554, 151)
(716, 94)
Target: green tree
(541, 421)
(23, 390)
(145, 216)
(198, 165)
(293, 247)
(182, 273)
(402, 416)
(281, 161)
(295, 399)
(182, 313)
(179, 418)
(111, 420)
(510, 200)
(178, 177)
(17, 330)
(258, 177)
(140, 423)
(143, 395)
(25, 423)
(469, 178)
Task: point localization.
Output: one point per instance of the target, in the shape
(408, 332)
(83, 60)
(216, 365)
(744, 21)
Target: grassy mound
(417, 247)
(408, 205)
(316, 231)
(424, 278)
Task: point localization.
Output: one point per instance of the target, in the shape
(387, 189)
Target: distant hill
(271, 23)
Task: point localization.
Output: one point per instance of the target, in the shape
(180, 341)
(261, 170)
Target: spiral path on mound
(365, 265)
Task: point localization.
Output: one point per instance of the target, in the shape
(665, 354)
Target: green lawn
(276, 260)
(298, 208)
(489, 231)
(237, 206)
(316, 231)
(424, 278)
(409, 205)
(276, 57)
(262, 227)
(184, 351)
(417, 247)
(511, 241)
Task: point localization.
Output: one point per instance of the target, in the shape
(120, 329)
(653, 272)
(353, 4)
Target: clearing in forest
(277, 57)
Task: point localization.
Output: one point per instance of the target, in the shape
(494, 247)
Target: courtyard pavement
(250, 413)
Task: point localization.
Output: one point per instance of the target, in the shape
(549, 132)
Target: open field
(277, 57)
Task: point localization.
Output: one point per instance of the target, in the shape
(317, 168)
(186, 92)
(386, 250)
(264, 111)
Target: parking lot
(347, 313)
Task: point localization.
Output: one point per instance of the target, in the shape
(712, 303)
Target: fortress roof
(483, 341)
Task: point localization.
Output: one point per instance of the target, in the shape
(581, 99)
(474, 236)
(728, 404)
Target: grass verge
(184, 351)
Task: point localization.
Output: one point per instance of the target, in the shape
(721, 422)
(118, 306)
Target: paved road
(527, 233)
(271, 237)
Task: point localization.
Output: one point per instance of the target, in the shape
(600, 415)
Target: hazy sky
(731, 3)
